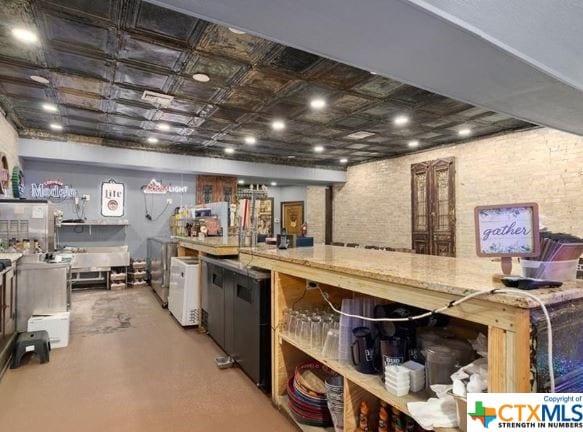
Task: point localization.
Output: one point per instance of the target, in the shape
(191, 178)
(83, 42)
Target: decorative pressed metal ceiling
(100, 56)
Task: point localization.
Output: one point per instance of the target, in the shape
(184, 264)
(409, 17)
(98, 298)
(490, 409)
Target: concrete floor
(130, 367)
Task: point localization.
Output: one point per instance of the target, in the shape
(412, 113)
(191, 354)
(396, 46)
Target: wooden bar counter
(216, 246)
(423, 281)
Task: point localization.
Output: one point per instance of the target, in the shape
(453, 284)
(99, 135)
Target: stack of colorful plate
(307, 394)
(335, 395)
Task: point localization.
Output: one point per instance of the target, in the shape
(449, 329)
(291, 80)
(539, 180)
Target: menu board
(509, 230)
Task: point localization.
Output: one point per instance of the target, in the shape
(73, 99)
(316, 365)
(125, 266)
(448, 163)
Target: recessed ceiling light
(163, 126)
(56, 126)
(201, 77)
(152, 140)
(464, 132)
(236, 31)
(273, 183)
(250, 140)
(229, 150)
(319, 149)
(25, 35)
(39, 79)
(343, 160)
(241, 182)
(413, 143)
(278, 125)
(373, 73)
(50, 107)
(318, 103)
(291, 157)
(401, 120)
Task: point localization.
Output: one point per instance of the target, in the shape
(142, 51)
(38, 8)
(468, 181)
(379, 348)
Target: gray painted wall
(87, 179)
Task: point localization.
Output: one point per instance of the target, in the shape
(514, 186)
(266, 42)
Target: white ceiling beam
(65, 151)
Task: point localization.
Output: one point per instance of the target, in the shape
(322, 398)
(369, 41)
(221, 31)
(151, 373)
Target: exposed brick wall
(316, 212)
(542, 165)
(9, 146)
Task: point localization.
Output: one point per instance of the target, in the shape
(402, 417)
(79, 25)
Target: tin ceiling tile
(353, 122)
(293, 60)
(265, 81)
(79, 34)
(218, 40)
(127, 93)
(133, 75)
(82, 100)
(16, 88)
(76, 112)
(219, 70)
(175, 117)
(165, 22)
(19, 71)
(341, 76)
(91, 66)
(358, 146)
(102, 9)
(132, 110)
(348, 103)
(323, 117)
(195, 90)
(124, 121)
(79, 82)
(377, 86)
(134, 48)
(243, 99)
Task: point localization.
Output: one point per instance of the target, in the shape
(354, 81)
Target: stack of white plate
(397, 380)
(416, 375)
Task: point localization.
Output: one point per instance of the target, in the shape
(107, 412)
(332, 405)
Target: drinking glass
(315, 332)
(303, 335)
(284, 324)
(327, 324)
(294, 323)
(330, 348)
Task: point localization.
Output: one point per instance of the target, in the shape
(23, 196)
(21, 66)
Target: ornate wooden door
(433, 207)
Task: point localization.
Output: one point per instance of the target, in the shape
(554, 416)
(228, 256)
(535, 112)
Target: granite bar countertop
(457, 276)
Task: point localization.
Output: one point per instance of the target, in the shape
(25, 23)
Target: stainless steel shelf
(94, 223)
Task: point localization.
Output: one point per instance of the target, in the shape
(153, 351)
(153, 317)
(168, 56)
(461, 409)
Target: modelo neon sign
(54, 190)
(155, 187)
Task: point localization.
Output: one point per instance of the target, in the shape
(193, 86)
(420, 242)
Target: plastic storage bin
(550, 270)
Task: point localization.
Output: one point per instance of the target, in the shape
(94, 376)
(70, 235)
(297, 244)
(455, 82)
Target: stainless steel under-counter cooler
(160, 253)
(43, 288)
(239, 315)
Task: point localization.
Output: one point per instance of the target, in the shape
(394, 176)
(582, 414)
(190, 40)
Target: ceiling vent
(157, 98)
(359, 135)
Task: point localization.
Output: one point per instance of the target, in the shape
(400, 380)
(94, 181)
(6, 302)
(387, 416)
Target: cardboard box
(57, 325)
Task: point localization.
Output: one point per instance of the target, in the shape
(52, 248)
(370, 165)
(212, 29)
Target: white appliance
(183, 295)
(57, 325)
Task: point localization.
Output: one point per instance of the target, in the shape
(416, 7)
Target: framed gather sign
(507, 230)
